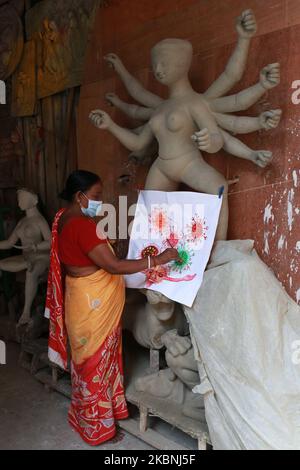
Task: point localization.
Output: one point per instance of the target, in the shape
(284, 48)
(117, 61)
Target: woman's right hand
(170, 254)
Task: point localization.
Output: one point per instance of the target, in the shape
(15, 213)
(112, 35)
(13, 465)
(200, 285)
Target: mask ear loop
(81, 206)
(99, 208)
(84, 195)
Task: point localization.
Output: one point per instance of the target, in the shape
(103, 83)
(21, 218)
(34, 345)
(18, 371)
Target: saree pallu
(93, 309)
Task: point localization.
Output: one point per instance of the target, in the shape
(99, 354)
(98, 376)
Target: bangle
(149, 262)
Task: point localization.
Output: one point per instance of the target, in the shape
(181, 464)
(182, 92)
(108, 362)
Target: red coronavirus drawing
(196, 230)
(159, 221)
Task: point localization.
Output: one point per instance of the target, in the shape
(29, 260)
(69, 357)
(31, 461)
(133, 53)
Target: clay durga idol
(189, 123)
(184, 126)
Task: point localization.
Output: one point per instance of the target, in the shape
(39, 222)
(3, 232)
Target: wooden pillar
(50, 157)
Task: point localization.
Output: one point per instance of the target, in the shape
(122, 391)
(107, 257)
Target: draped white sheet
(246, 330)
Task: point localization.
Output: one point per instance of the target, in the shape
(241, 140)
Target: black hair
(78, 180)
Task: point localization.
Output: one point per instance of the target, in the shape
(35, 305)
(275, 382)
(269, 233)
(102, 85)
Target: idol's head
(171, 60)
(27, 199)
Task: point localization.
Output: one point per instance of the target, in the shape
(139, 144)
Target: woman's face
(94, 194)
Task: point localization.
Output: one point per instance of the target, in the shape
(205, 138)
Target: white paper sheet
(183, 220)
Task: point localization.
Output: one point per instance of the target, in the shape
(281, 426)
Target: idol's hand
(100, 119)
(112, 99)
(202, 139)
(270, 76)
(114, 61)
(246, 25)
(175, 344)
(270, 119)
(262, 158)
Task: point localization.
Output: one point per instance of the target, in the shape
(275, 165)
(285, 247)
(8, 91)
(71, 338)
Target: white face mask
(93, 208)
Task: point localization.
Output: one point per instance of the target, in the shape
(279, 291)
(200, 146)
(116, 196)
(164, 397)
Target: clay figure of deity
(35, 236)
(52, 51)
(175, 383)
(184, 126)
(189, 123)
(150, 318)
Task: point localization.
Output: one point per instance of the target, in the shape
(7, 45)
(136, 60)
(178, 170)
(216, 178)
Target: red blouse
(77, 238)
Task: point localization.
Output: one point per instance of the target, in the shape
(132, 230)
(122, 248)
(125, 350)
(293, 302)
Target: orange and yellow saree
(91, 316)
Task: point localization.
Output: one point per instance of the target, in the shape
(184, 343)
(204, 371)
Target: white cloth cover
(246, 329)
(183, 220)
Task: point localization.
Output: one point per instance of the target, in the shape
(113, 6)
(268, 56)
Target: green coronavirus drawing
(185, 262)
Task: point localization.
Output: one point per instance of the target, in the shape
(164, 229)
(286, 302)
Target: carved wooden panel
(24, 83)
(60, 30)
(11, 37)
(11, 172)
(11, 154)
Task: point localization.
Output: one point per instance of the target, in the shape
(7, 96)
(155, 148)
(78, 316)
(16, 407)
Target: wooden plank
(202, 444)
(60, 135)
(62, 386)
(68, 129)
(50, 160)
(28, 150)
(170, 413)
(41, 174)
(24, 83)
(143, 418)
(151, 437)
(27, 4)
(72, 151)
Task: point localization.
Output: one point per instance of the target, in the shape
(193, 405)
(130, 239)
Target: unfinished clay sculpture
(35, 236)
(176, 382)
(184, 126)
(189, 122)
(150, 317)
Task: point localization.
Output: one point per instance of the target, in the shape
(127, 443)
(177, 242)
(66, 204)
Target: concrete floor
(33, 419)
